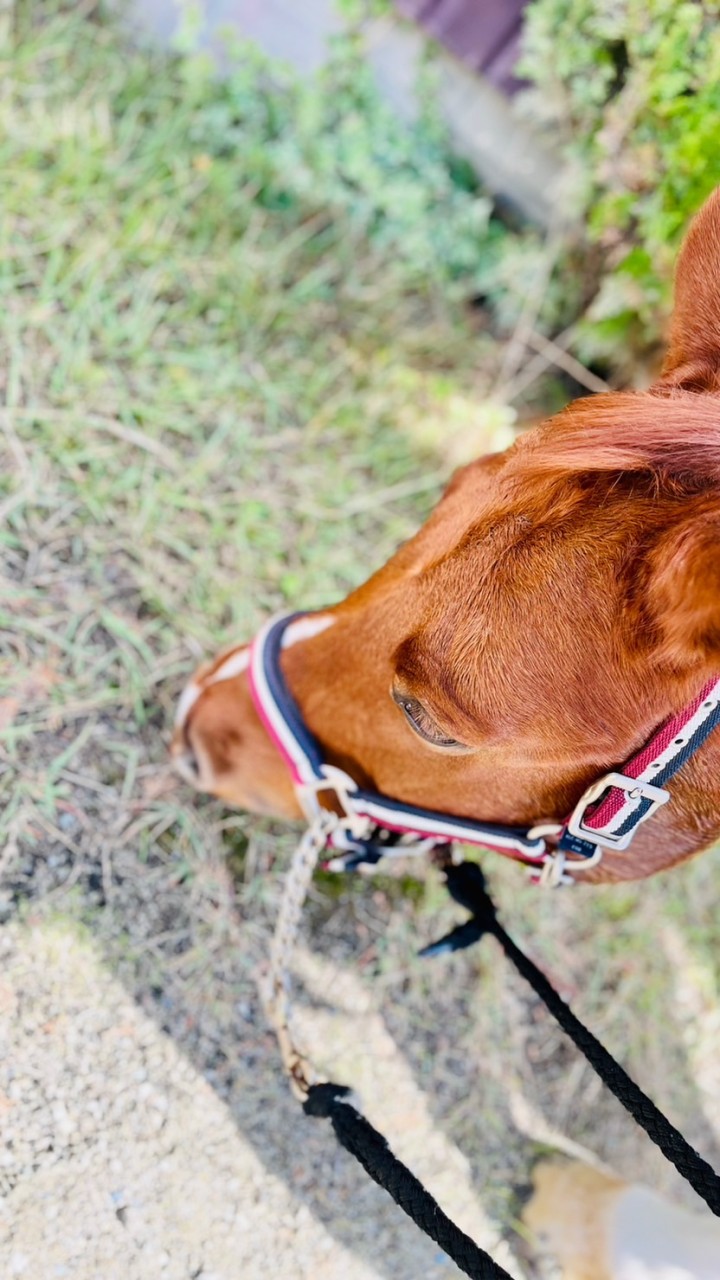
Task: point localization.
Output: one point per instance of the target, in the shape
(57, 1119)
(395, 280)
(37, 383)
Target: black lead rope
(467, 886)
(355, 1133)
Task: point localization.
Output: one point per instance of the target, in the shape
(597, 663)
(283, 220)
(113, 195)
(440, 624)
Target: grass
(215, 404)
(201, 396)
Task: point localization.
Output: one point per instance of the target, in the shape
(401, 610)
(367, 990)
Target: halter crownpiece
(370, 825)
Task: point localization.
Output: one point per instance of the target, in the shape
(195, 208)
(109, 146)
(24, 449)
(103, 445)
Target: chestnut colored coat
(561, 601)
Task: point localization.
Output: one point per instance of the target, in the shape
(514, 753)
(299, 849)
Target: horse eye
(421, 721)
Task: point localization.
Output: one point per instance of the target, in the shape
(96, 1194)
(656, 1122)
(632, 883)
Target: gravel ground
(120, 1160)
(147, 1129)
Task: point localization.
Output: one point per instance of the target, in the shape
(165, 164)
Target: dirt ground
(147, 1129)
(121, 1160)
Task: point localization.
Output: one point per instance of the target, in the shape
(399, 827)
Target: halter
(364, 826)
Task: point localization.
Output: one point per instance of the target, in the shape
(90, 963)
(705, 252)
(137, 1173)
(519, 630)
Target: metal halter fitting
(370, 826)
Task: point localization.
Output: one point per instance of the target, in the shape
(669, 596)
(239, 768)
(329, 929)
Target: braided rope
(357, 1135)
(371, 1150)
(467, 886)
(328, 1100)
(275, 989)
(688, 1162)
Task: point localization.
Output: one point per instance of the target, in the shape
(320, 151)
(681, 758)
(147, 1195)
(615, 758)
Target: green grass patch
(215, 359)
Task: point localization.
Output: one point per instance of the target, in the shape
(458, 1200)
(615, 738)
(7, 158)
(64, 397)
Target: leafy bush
(331, 144)
(629, 88)
(632, 87)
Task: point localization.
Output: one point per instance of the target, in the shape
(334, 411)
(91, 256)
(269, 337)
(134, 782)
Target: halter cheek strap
(606, 816)
(611, 810)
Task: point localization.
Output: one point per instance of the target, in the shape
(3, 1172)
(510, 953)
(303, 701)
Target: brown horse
(560, 603)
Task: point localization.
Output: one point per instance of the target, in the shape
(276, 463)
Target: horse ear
(685, 593)
(693, 359)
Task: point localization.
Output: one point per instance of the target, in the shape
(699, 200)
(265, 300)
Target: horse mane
(675, 435)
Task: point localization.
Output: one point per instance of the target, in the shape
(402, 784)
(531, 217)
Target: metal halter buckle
(335, 782)
(552, 874)
(634, 789)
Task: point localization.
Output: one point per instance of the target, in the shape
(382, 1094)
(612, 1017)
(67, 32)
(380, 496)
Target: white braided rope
(276, 989)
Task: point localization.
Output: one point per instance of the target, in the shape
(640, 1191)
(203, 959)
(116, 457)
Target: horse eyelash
(414, 712)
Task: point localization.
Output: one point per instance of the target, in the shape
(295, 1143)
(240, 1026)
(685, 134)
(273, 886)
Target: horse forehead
(485, 560)
(513, 582)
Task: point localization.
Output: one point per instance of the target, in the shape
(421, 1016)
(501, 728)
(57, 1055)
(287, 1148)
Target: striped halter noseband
(365, 826)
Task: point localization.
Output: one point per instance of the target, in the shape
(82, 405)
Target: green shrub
(632, 88)
(330, 144)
